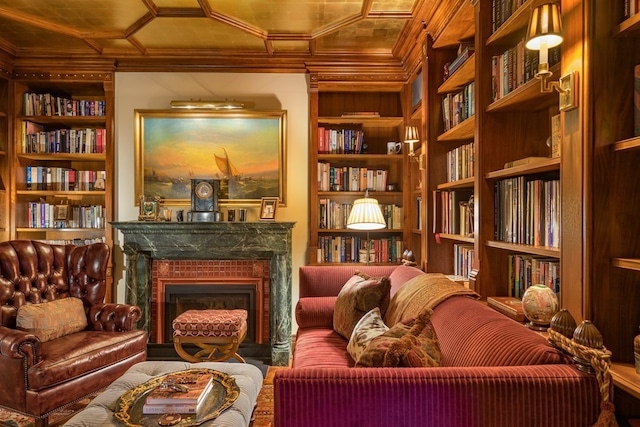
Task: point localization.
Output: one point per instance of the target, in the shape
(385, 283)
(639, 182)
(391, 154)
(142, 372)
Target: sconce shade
(411, 134)
(545, 27)
(366, 215)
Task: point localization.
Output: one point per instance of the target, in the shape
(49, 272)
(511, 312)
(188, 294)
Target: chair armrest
(114, 317)
(314, 312)
(17, 344)
(431, 397)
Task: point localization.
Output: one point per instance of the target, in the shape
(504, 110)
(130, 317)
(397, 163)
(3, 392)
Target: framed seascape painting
(244, 150)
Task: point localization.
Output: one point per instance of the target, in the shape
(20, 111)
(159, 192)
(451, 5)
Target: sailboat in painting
(229, 171)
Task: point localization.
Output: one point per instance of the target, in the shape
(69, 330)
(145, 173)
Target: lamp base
(537, 327)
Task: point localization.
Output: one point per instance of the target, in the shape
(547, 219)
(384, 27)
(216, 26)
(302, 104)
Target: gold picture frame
(268, 207)
(245, 150)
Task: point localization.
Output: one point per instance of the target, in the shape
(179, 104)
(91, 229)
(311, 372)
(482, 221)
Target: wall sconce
(543, 33)
(411, 136)
(212, 105)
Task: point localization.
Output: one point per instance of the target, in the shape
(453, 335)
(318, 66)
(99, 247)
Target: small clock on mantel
(204, 195)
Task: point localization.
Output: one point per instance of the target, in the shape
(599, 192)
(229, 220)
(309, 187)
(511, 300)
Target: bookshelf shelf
(627, 263)
(625, 376)
(461, 183)
(525, 249)
(364, 121)
(462, 131)
(462, 76)
(456, 237)
(530, 169)
(54, 157)
(55, 193)
(626, 144)
(461, 26)
(361, 157)
(628, 27)
(514, 24)
(527, 97)
(65, 120)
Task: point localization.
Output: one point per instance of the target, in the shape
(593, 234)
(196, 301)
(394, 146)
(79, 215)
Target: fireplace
(214, 296)
(243, 258)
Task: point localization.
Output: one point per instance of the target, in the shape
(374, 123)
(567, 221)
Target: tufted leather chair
(37, 378)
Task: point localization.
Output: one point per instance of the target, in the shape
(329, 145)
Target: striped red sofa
(494, 372)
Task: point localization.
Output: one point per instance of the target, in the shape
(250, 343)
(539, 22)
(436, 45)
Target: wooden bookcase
(62, 183)
(330, 241)
(5, 129)
(615, 286)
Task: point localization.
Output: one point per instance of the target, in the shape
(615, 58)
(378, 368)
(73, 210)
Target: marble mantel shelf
(146, 241)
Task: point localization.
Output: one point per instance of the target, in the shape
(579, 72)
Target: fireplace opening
(182, 297)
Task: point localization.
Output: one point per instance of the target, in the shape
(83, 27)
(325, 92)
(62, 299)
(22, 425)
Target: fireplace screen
(180, 298)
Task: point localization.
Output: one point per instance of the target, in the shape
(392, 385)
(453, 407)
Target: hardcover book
(181, 389)
(636, 99)
(509, 306)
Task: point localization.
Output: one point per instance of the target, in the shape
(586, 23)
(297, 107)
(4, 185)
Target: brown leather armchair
(39, 377)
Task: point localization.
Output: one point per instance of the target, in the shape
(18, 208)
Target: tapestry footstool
(217, 333)
(101, 410)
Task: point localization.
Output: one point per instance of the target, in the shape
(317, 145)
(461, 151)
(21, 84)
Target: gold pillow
(53, 319)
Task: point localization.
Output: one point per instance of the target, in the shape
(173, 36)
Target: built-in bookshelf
(4, 156)
(615, 271)
(62, 158)
(348, 158)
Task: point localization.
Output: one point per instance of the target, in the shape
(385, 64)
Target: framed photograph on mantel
(268, 208)
(245, 150)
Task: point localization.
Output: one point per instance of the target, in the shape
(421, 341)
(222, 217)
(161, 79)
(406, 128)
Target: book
(556, 136)
(197, 385)
(509, 306)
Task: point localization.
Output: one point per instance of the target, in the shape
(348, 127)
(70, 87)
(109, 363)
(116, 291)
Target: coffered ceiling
(279, 35)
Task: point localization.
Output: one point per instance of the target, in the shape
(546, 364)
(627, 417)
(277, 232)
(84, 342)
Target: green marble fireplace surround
(144, 242)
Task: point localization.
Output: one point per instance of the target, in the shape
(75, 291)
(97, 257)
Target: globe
(539, 304)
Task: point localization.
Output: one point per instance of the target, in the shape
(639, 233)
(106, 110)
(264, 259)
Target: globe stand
(536, 326)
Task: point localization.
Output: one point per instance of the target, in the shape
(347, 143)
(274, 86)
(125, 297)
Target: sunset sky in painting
(185, 147)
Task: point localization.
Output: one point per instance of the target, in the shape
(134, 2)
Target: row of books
(462, 259)
(631, 7)
(333, 215)
(458, 107)
(77, 242)
(516, 66)
(35, 139)
(501, 10)
(46, 104)
(50, 215)
(63, 179)
(418, 223)
(527, 211)
(451, 213)
(179, 393)
(351, 178)
(340, 141)
(528, 270)
(460, 162)
(345, 249)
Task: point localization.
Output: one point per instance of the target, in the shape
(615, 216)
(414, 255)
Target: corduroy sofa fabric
(494, 372)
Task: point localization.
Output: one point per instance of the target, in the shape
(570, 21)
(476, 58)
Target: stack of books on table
(180, 393)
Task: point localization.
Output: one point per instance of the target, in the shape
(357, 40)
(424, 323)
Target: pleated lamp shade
(545, 27)
(366, 215)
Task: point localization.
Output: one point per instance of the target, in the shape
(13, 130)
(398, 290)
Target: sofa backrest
(325, 281)
(33, 272)
(473, 334)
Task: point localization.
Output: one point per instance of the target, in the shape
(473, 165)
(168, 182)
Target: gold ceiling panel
(81, 15)
(288, 16)
(392, 5)
(195, 33)
(36, 38)
(368, 34)
(176, 3)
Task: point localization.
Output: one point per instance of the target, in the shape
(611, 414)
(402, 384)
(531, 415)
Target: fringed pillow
(369, 327)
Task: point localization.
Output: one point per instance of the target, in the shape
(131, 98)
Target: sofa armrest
(17, 344)
(314, 312)
(114, 317)
(549, 395)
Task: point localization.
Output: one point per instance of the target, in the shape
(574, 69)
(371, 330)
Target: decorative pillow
(405, 345)
(370, 326)
(361, 294)
(53, 319)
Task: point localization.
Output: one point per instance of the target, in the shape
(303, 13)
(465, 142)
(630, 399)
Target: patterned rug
(263, 414)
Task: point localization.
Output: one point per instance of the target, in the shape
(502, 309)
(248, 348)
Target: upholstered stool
(218, 334)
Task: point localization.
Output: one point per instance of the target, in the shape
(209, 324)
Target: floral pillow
(361, 294)
(370, 326)
(414, 344)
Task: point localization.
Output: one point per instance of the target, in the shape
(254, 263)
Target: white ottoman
(248, 378)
